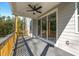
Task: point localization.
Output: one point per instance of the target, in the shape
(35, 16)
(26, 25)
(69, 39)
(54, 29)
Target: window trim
(76, 18)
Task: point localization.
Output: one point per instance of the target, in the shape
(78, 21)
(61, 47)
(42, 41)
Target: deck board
(33, 47)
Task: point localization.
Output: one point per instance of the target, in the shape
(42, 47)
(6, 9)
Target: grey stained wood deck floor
(32, 47)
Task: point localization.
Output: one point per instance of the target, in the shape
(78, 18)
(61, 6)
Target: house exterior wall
(66, 30)
(35, 28)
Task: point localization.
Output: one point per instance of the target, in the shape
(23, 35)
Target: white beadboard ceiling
(20, 8)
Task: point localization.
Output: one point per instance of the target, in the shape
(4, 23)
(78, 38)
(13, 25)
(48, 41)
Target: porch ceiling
(20, 8)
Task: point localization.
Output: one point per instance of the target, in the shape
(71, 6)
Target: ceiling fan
(34, 9)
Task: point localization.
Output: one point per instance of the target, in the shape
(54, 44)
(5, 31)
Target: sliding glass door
(39, 27)
(44, 27)
(47, 29)
(52, 27)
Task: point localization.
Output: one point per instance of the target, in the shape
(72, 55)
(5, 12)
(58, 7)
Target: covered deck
(28, 45)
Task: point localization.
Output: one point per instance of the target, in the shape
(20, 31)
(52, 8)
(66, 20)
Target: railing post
(16, 26)
(0, 50)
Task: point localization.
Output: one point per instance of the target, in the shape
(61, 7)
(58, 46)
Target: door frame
(51, 12)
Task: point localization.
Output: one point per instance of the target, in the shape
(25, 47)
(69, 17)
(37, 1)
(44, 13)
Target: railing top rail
(3, 40)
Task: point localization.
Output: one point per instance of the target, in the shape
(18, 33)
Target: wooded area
(7, 25)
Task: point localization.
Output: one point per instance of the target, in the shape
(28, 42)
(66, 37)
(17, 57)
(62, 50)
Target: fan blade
(34, 7)
(39, 7)
(29, 10)
(38, 11)
(30, 6)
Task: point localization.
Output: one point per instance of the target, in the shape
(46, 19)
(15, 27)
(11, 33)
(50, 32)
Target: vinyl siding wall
(66, 30)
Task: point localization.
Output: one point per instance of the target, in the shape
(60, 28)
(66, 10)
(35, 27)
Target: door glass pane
(39, 28)
(52, 27)
(44, 27)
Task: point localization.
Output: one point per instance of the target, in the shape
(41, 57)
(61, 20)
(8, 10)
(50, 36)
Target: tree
(6, 26)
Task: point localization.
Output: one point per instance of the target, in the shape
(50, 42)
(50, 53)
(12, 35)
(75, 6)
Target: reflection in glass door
(44, 27)
(52, 27)
(39, 28)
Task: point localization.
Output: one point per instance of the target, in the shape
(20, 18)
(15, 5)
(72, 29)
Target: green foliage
(6, 26)
(21, 26)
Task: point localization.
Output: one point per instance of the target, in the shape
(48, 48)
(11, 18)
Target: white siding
(66, 29)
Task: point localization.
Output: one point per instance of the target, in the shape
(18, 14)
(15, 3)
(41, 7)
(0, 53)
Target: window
(44, 27)
(77, 17)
